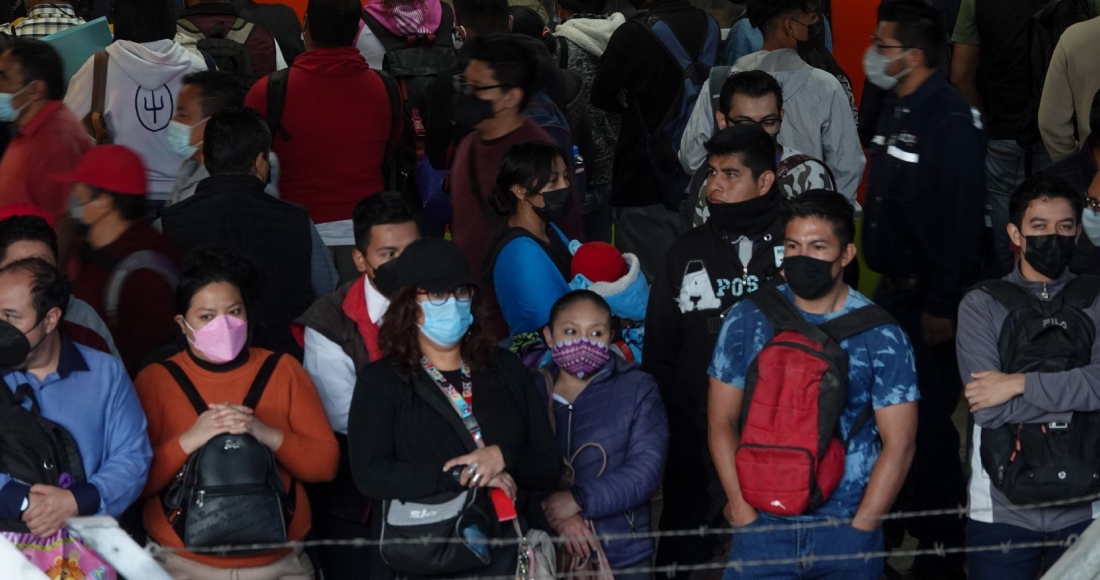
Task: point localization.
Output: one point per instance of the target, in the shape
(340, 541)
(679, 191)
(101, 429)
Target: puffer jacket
(621, 410)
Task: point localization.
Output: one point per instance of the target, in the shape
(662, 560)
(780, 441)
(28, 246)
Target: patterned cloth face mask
(580, 357)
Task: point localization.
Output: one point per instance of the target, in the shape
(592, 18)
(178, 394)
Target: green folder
(77, 44)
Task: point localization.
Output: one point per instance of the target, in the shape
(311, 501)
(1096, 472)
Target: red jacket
(52, 142)
(337, 114)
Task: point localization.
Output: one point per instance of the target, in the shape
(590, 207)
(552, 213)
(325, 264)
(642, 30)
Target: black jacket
(925, 209)
(637, 62)
(234, 211)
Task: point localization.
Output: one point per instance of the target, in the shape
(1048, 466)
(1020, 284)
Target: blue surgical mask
(8, 113)
(1091, 221)
(446, 323)
(179, 138)
(874, 66)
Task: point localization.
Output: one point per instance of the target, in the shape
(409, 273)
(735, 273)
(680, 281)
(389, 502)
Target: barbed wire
(704, 531)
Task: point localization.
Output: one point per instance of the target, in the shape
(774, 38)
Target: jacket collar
(931, 86)
(230, 183)
(40, 118)
(70, 359)
(1053, 288)
(355, 308)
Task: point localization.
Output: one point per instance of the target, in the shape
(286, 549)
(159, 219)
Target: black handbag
(229, 493)
(461, 517)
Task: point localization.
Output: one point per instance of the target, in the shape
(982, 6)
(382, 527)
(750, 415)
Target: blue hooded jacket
(628, 297)
(621, 410)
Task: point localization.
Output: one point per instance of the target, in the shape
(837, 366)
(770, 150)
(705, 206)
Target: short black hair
(592, 6)
(482, 16)
(1042, 187)
(514, 64)
(209, 265)
(763, 14)
(233, 139)
(574, 297)
(143, 20)
(382, 208)
(334, 23)
(40, 62)
(754, 84)
(26, 228)
(527, 22)
(220, 90)
(49, 287)
(1094, 116)
(527, 165)
(750, 142)
(129, 207)
(827, 205)
(919, 27)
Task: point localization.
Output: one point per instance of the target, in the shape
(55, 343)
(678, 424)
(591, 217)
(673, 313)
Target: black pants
(338, 562)
(936, 479)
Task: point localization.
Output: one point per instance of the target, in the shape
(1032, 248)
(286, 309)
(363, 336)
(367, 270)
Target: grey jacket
(1047, 397)
(817, 117)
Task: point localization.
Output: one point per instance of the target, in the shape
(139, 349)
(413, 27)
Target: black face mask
(554, 204)
(815, 38)
(468, 110)
(809, 278)
(1050, 254)
(15, 347)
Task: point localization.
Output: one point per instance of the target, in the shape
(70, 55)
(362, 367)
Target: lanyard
(462, 402)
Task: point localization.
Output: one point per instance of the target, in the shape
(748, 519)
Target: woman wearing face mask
(611, 427)
(404, 428)
(212, 313)
(528, 258)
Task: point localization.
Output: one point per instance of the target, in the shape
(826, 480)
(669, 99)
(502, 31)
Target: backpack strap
(260, 382)
(1081, 291)
(151, 260)
(188, 27)
(857, 321)
(397, 111)
(718, 76)
(277, 84)
(563, 53)
(782, 313)
(186, 386)
(1009, 295)
(97, 124)
(240, 31)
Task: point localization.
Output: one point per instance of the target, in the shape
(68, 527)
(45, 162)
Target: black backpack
(229, 493)
(223, 50)
(1039, 462)
(1043, 31)
(34, 449)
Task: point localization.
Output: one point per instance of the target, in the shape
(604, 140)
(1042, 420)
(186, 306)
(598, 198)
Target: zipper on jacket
(1046, 294)
(569, 430)
(630, 520)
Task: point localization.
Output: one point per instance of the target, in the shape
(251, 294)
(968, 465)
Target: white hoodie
(143, 84)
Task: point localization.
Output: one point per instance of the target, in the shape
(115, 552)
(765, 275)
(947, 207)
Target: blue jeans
(807, 544)
(1016, 563)
(1005, 170)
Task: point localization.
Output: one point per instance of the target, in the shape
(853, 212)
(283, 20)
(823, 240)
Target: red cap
(25, 209)
(599, 262)
(113, 168)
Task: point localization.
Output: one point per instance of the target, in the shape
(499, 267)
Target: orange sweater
(290, 403)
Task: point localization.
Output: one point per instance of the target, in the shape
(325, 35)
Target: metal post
(1082, 560)
(102, 534)
(15, 565)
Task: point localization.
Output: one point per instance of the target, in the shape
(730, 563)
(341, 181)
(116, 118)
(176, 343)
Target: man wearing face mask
(85, 391)
(922, 230)
(203, 94)
(231, 209)
(1010, 388)
(881, 382)
(48, 139)
(340, 336)
(1080, 171)
(819, 119)
(128, 271)
(756, 97)
(708, 270)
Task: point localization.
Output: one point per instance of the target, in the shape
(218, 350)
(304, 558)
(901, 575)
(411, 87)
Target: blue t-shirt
(880, 369)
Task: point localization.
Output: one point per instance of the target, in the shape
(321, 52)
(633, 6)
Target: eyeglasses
(465, 88)
(1092, 203)
(463, 293)
(768, 123)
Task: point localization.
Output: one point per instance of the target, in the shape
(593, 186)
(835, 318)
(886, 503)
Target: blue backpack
(663, 144)
(546, 114)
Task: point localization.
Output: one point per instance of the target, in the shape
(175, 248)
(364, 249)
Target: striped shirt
(43, 20)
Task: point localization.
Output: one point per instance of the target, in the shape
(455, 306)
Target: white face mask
(179, 138)
(874, 66)
(1091, 221)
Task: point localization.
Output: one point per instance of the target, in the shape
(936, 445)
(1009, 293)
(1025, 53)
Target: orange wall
(299, 6)
(853, 24)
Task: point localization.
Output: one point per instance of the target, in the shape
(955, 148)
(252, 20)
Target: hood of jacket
(592, 34)
(332, 62)
(627, 296)
(785, 65)
(152, 65)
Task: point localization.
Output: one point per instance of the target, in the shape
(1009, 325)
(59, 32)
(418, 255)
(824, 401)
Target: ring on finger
(472, 469)
(476, 479)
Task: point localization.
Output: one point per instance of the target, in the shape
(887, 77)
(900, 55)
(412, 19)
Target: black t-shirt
(495, 409)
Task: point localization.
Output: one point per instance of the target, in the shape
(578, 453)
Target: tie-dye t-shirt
(880, 368)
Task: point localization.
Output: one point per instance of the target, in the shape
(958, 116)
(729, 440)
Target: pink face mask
(222, 339)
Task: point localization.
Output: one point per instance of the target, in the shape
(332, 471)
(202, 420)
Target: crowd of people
(561, 273)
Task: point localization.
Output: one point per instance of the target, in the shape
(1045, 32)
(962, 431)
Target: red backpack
(791, 456)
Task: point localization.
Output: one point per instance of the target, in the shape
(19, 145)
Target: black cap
(433, 264)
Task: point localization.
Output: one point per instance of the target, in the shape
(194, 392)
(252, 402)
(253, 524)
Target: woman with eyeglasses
(528, 259)
(445, 409)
